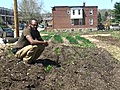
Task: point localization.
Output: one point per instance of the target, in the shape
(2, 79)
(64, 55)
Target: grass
(58, 38)
(48, 68)
(8, 52)
(71, 37)
(86, 42)
(47, 32)
(72, 40)
(65, 34)
(46, 37)
(82, 39)
(116, 34)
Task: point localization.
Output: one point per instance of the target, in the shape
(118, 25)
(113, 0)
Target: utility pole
(16, 18)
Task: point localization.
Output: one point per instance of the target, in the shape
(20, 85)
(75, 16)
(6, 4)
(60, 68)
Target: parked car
(8, 32)
(1, 32)
(20, 33)
(21, 26)
(114, 27)
(41, 27)
(100, 27)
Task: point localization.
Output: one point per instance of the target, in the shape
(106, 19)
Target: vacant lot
(70, 68)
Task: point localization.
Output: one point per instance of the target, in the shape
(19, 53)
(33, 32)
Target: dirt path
(112, 49)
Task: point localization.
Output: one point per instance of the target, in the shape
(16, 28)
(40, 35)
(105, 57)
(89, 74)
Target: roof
(75, 7)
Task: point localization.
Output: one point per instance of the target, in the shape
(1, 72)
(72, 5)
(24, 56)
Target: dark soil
(74, 68)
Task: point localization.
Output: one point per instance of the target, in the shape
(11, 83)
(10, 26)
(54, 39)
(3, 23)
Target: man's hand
(46, 44)
(35, 42)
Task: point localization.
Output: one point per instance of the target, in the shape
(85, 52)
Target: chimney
(84, 4)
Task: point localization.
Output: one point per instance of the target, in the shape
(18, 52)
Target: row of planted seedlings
(57, 50)
(73, 38)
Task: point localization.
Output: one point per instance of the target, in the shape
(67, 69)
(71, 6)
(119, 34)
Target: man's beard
(34, 28)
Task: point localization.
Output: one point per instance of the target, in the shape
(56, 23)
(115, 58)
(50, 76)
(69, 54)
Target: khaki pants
(30, 53)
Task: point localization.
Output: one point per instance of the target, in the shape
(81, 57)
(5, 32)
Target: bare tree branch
(30, 8)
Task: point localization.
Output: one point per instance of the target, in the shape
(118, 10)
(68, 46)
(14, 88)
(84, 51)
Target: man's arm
(34, 42)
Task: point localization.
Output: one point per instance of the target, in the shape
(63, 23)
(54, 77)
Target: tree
(104, 18)
(30, 8)
(99, 17)
(106, 14)
(117, 11)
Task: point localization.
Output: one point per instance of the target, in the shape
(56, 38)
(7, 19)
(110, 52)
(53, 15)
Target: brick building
(75, 17)
(7, 14)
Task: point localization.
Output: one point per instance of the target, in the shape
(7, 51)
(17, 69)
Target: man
(30, 44)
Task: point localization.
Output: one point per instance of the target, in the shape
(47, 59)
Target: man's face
(34, 24)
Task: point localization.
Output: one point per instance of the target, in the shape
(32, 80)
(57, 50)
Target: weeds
(72, 40)
(48, 68)
(86, 42)
(46, 37)
(57, 51)
(58, 38)
(116, 34)
(8, 52)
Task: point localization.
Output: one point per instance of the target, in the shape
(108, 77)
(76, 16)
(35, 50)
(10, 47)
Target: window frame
(78, 11)
(73, 12)
(91, 11)
(91, 21)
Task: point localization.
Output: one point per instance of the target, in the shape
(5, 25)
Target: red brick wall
(88, 16)
(62, 20)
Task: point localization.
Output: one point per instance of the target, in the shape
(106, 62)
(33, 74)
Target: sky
(48, 4)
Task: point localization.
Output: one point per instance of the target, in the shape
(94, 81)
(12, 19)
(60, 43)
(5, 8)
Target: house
(75, 17)
(7, 15)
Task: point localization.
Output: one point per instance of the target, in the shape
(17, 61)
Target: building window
(68, 11)
(73, 12)
(91, 21)
(79, 12)
(91, 12)
(81, 22)
(76, 21)
(72, 21)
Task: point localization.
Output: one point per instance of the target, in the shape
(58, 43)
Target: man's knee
(23, 51)
(41, 46)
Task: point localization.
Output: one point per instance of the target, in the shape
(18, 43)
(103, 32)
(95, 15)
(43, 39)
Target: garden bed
(68, 68)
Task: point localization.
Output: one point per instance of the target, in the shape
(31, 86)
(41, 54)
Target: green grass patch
(48, 68)
(58, 38)
(64, 34)
(82, 39)
(72, 40)
(86, 42)
(116, 34)
(47, 32)
(8, 52)
(46, 37)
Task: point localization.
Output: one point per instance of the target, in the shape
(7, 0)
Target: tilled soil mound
(73, 68)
